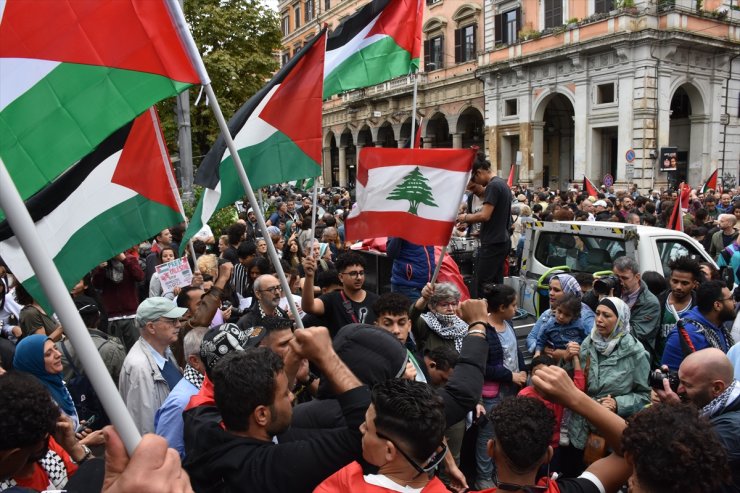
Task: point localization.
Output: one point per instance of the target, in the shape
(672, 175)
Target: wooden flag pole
(192, 49)
(58, 295)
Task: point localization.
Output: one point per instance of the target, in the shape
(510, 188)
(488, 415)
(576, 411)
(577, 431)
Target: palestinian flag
(277, 133)
(412, 194)
(675, 222)
(379, 42)
(74, 71)
(120, 194)
(589, 188)
(710, 184)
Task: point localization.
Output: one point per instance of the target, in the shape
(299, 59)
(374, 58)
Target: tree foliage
(238, 40)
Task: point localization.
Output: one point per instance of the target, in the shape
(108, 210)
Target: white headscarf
(605, 345)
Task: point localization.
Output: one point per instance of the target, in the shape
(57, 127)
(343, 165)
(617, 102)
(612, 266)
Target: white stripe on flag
(255, 130)
(95, 195)
(18, 75)
(335, 57)
(382, 181)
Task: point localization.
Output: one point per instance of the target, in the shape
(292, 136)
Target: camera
(604, 285)
(225, 305)
(655, 379)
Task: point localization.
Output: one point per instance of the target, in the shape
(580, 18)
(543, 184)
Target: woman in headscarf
(560, 285)
(616, 367)
(36, 354)
(433, 318)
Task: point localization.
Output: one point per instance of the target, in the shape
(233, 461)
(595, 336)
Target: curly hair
(523, 428)
(348, 259)
(243, 380)
(689, 265)
(392, 304)
(29, 412)
(411, 413)
(674, 450)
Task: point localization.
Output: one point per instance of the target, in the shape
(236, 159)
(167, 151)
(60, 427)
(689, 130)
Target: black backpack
(84, 395)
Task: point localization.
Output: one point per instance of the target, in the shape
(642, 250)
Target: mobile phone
(86, 424)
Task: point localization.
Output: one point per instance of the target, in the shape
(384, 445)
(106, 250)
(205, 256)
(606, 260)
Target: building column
(538, 140)
(626, 125)
(343, 166)
(582, 134)
(402, 143)
(428, 142)
(457, 140)
(326, 168)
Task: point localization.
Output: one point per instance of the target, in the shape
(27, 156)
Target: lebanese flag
(122, 193)
(512, 172)
(74, 71)
(710, 184)
(413, 194)
(589, 188)
(379, 42)
(676, 220)
(277, 134)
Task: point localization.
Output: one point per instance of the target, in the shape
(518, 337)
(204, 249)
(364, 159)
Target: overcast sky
(271, 3)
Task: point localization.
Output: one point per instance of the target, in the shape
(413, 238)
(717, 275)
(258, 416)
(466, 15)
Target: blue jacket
(413, 265)
(587, 324)
(558, 336)
(495, 369)
(673, 354)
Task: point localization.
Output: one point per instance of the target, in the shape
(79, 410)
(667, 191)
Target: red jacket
(350, 479)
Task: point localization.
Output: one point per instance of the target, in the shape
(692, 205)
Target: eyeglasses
(447, 304)
(430, 464)
(272, 290)
(354, 273)
(522, 487)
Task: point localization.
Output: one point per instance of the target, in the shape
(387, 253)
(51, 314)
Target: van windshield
(578, 251)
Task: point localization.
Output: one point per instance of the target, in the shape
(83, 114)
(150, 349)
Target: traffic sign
(608, 180)
(630, 155)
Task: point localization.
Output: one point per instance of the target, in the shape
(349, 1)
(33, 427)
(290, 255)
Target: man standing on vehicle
(495, 219)
(644, 306)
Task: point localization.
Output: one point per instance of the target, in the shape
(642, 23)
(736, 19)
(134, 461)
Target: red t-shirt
(51, 472)
(350, 479)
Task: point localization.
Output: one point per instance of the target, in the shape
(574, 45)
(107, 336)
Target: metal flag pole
(179, 20)
(413, 111)
(313, 217)
(58, 295)
(439, 264)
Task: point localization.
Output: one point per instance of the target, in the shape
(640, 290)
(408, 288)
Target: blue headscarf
(568, 284)
(29, 357)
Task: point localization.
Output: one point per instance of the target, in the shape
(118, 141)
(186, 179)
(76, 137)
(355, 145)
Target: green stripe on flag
(276, 159)
(372, 65)
(110, 233)
(67, 114)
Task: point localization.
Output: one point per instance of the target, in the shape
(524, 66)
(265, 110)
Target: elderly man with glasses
(150, 371)
(268, 292)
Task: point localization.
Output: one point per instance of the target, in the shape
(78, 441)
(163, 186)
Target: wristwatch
(88, 454)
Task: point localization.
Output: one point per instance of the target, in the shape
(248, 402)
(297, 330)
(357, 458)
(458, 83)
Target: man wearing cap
(602, 213)
(150, 371)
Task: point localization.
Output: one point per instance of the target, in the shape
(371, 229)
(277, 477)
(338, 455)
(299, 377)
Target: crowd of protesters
(382, 392)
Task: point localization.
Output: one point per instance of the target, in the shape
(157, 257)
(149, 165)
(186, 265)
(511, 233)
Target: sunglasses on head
(430, 463)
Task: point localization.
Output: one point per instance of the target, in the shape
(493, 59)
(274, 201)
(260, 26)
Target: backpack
(84, 396)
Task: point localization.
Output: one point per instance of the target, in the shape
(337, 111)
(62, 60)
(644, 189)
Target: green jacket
(645, 318)
(623, 375)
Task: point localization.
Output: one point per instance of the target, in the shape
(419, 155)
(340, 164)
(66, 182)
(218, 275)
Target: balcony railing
(396, 84)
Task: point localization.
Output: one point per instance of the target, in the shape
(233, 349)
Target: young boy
(563, 327)
(392, 314)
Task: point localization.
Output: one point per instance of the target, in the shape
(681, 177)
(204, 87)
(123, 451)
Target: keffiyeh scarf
(726, 398)
(191, 375)
(447, 327)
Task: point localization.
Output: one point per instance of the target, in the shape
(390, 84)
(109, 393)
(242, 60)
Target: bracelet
(477, 331)
(485, 325)
(88, 454)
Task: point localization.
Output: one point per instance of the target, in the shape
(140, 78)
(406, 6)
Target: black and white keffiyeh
(447, 327)
(193, 376)
(719, 403)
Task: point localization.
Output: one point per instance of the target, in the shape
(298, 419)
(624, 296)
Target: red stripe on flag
(447, 159)
(133, 35)
(510, 181)
(301, 91)
(401, 20)
(589, 188)
(411, 228)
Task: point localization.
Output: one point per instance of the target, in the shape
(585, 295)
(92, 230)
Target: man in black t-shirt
(495, 219)
(351, 304)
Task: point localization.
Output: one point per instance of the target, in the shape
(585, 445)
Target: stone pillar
(582, 134)
(626, 125)
(428, 142)
(538, 139)
(402, 143)
(457, 140)
(326, 168)
(343, 166)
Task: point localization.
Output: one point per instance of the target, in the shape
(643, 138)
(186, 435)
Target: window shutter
(458, 45)
(475, 40)
(518, 21)
(498, 29)
(441, 51)
(427, 58)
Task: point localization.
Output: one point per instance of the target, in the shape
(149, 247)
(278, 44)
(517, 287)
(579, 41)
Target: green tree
(414, 188)
(238, 40)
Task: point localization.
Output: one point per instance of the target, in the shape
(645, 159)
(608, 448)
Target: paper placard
(174, 274)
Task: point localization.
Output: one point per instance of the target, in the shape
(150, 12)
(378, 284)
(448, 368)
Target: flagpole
(439, 264)
(413, 111)
(261, 201)
(313, 217)
(58, 295)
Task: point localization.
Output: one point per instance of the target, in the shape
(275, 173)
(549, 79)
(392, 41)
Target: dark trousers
(490, 265)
